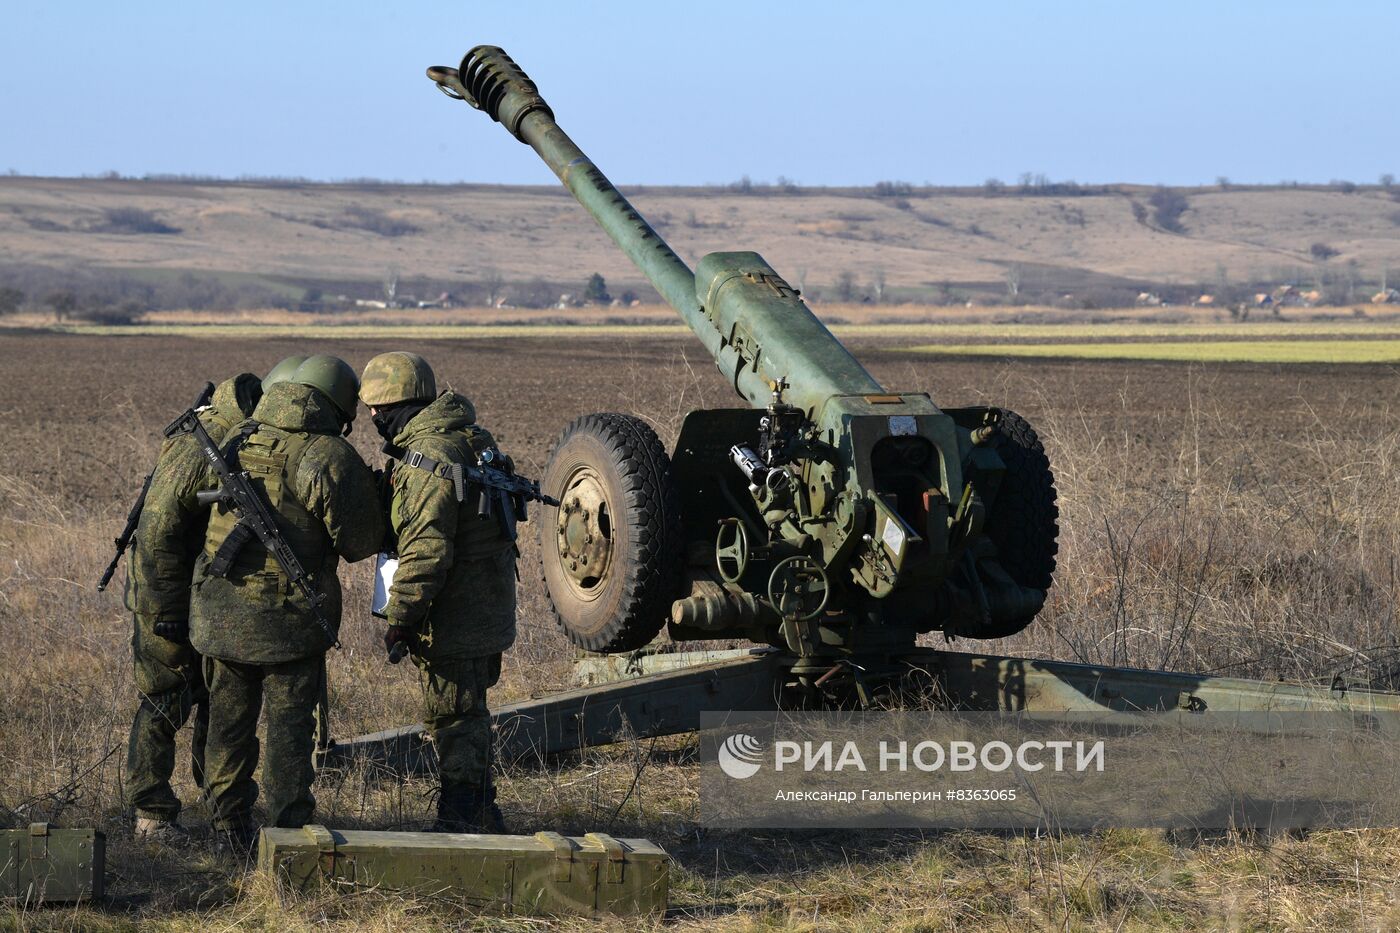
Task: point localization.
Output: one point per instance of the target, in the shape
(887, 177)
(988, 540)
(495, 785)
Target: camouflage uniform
(159, 567)
(260, 640)
(454, 589)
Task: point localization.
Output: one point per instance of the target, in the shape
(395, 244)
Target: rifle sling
(229, 549)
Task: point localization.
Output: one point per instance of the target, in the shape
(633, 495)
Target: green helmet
(282, 372)
(397, 377)
(334, 377)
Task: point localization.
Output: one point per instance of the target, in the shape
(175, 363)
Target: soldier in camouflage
(260, 640)
(167, 668)
(452, 599)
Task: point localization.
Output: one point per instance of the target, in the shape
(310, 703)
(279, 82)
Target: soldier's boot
(454, 811)
(468, 810)
(239, 842)
(492, 819)
(165, 832)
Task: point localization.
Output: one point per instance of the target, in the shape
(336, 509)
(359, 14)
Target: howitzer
(833, 518)
(133, 517)
(255, 519)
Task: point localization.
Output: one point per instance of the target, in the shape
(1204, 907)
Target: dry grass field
(273, 233)
(1239, 518)
(1203, 351)
(903, 324)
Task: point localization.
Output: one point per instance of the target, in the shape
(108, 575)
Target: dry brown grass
(813, 238)
(837, 314)
(1240, 520)
(1264, 550)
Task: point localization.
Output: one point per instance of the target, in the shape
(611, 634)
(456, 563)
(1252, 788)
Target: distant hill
(170, 242)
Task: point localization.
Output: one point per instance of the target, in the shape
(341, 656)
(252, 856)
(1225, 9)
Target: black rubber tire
(1024, 522)
(644, 572)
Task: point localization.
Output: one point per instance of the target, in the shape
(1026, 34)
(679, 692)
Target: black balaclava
(390, 420)
(248, 390)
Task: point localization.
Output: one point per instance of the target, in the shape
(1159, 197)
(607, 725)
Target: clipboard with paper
(385, 566)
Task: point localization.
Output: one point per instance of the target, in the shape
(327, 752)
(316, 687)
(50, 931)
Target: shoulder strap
(238, 440)
(421, 461)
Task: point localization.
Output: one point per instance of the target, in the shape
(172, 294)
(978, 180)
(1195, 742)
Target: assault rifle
(501, 493)
(255, 518)
(133, 517)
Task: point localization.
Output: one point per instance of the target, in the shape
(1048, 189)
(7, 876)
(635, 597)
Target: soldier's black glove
(397, 641)
(174, 630)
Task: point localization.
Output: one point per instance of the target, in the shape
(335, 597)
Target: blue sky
(695, 93)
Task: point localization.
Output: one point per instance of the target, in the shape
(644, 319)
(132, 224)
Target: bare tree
(877, 284)
(391, 285)
(492, 281)
(10, 300)
(536, 293)
(63, 304)
(1013, 281)
(846, 286)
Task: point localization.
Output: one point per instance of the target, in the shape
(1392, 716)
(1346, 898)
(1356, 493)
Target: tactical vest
(271, 456)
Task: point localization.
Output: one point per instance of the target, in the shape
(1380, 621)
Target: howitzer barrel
(492, 82)
(753, 324)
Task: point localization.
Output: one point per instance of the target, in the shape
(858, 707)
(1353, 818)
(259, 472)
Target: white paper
(893, 535)
(385, 566)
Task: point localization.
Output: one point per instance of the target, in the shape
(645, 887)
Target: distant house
(1148, 300)
(441, 301)
(1262, 300)
(1205, 301)
(1390, 296)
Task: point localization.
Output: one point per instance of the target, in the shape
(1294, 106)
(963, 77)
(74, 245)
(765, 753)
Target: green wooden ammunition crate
(47, 865)
(545, 874)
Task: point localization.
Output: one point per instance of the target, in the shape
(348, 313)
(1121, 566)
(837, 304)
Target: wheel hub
(585, 531)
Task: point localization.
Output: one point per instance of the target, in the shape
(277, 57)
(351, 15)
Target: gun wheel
(1024, 522)
(611, 561)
